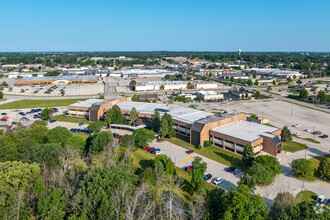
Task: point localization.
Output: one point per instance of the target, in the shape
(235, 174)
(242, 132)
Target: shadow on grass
(146, 163)
(232, 160)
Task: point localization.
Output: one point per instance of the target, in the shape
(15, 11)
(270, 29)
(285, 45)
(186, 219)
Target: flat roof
(87, 103)
(209, 93)
(181, 113)
(245, 130)
(73, 77)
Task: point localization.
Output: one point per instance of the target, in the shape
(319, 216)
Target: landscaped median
(306, 196)
(291, 146)
(215, 153)
(21, 104)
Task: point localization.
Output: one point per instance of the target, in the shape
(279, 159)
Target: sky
(169, 25)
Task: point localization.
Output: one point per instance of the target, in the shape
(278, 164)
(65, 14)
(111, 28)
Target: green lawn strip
(307, 179)
(270, 125)
(21, 104)
(215, 153)
(309, 140)
(84, 136)
(294, 92)
(305, 106)
(292, 146)
(3, 100)
(305, 195)
(66, 118)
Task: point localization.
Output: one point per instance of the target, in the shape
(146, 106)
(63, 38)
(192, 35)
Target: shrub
(207, 144)
(199, 146)
(303, 167)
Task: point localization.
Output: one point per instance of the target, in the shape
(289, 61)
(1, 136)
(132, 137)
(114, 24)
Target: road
(284, 182)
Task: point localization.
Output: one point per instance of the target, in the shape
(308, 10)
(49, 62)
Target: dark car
(230, 169)
(52, 121)
(3, 119)
(14, 122)
(317, 132)
(207, 177)
(152, 150)
(188, 168)
(4, 113)
(324, 136)
(80, 124)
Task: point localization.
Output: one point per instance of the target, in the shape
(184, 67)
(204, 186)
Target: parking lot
(182, 159)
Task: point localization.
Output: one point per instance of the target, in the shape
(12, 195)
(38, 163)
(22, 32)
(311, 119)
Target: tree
(256, 82)
(304, 210)
(142, 137)
(1, 95)
(240, 81)
(190, 85)
(248, 155)
(77, 142)
(163, 130)
(289, 79)
(159, 158)
(198, 170)
(324, 168)
(52, 205)
(46, 113)
(207, 143)
(44, 154)
(132, 84)
(303, 94)
(321, 96)
(232, 79)
(58, 135)
(257, 94)
(242, 204)
(169, 167)
(156, 121)
(274, 82)
(162, 87)
(282, 201)
(62, 92)
(254, 75)
(96, 126)
(135, 98)
(126, 141)
(249, 181)
(52, 73)
(116, 116)
(249, 82)
(96, 143)
(299, 82)
(269, 88)
(303, 167)
(133, 116)
(286, 134)
(171, 131)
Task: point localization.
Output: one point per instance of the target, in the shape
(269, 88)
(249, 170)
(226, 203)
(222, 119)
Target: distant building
(241, 93)
(57, 80)
(210, 95)
(275, 72)
(173, 85)
(146, 73)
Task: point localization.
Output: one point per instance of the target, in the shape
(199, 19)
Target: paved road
(285, 182)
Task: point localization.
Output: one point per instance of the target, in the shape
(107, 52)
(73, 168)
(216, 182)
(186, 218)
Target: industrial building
(210, 95)
(230, 131)
(57, 80)
(146, 73)
(173, 85)
(275, 73)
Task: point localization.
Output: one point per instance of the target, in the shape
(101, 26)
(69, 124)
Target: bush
(286, 134)
(303, 167)
(324, 168)
(207, 144)
(199, 146)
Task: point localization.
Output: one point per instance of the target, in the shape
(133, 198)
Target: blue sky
(173, 25)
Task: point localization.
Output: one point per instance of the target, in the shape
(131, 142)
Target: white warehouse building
(173, 85)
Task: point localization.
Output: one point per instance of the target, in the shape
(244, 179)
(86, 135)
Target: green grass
(309, 140)
(292, 146)
(66, 118)
(21, 104)
(305, 195)
(294, 92)
(84, 136)
(3, 100)
(270, 125)
(215, 153)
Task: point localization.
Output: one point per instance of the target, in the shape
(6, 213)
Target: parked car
(158, 152)
(52, 121)
(190, 151)
(236, 171)
(297, 134)
(324, 136)
(146, 148)
(3, 113)
(188, 167)
(320, 199)
(3, 119)
(218, 181)
(230, 169)
(80, 124)
(296, 125)
(207, 177)
(308, 130)
(317, 132)
(14, 123)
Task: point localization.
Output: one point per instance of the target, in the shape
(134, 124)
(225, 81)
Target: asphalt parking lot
(181, 159)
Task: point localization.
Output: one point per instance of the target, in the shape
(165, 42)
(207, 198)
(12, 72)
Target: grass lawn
(270, 125)
(306, 195)
(21, 104)
(308, 139)
(84, 136)
(294, 92)
(3, 100)
(316, 162)
(66, 118)
(292, 146)
(215, 153)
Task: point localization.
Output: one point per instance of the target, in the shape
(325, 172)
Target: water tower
(239, 52)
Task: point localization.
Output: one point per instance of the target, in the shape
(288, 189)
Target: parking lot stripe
(70, 126)
(186, 159)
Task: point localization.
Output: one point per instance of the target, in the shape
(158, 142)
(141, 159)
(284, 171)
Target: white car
(158, 153)
(308, 130)
(218, 181)
(296, 125)
(297, 134)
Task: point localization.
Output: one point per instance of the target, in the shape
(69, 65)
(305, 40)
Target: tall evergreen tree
(133, 116)
(248, 155)
(171, 131)
(156, 121)
(163, 130)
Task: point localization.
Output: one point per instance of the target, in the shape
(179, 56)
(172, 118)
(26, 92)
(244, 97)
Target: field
(66, 118)
(215, 153)
(22, 104)
(292, 146)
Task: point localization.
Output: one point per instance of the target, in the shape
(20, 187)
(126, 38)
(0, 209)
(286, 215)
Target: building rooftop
(185, 114)
(245, 130)
(144, 72)
(209, 93)
(87, 103)
(73, 77)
